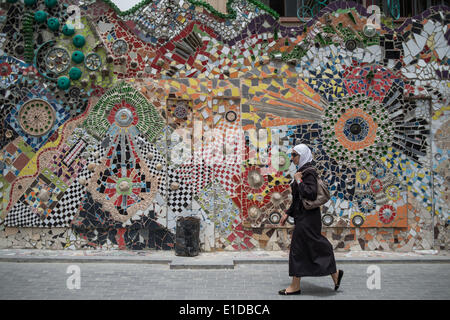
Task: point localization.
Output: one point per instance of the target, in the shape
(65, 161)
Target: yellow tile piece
(235, 92)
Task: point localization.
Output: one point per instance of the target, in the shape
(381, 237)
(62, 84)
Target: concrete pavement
(253, 275)
(130, 281)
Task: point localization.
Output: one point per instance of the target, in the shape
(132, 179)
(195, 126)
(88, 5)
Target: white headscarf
(305, 154)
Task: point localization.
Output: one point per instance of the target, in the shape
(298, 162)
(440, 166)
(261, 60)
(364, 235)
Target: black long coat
(311, 254)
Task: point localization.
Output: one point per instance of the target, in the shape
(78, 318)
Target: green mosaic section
(150, 123)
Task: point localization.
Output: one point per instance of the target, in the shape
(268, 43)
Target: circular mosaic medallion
(387, 214)
(362, 176)
(369, 31)
(57, 60)
(276, 198)
(74, 92)
(356, 129)
(5, 69)
(36, 117)
(366, 203)
(327, 219)
(350, 45)
(93, 61)
(124, 117)
(275, 217)
(357, 220)
(379, 171)
(376, 186)
(255, 179)
(393, 192)
(120, 47)
(352, 128)
(180, 111)
(231, 116)
(254, 213)
(123, 186)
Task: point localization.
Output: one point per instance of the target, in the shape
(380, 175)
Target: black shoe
(336, 286)
(284, 293)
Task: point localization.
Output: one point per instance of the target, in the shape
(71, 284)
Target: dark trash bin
(187, 241)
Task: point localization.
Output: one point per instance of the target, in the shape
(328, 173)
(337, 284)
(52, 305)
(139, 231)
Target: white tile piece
(374, 49)
(413, 48)
(421, 63)
(411, 68)
(409, 75)
(217, 118)
(442, 52)
(407, 59)
(368, 57)
(359, 56)
(420, 40)
(391, 64)
(333, 49)
(406, 50)
(429, 27)
(205, 114)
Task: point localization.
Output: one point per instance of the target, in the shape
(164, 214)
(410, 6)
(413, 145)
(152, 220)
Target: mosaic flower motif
(379, 171)
(254, 180)
(146, 118)
(376, 185)
(363, 177)
(10, 68)
(366, 203)
(124, 114)
(5, 69)
(387, 214)
(251, 210)
(392, 192)
(124, 182)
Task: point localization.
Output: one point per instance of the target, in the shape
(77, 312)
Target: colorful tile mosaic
(114, 124)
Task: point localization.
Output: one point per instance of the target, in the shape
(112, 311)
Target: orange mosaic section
(355, 145)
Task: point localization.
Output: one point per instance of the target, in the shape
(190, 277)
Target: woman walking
(311, 254)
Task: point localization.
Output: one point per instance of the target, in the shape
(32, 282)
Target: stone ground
(30, 280)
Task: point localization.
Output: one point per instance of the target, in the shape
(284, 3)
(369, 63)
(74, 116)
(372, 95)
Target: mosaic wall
(114, 124)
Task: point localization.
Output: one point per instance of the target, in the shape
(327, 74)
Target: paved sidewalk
(210, 260)
(124, 281)
(251, 275)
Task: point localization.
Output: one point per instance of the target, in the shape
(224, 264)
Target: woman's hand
(283, 219)
(298, 176)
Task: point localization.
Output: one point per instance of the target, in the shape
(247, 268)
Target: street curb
(45, 259)
(186, 264)
(192, 263)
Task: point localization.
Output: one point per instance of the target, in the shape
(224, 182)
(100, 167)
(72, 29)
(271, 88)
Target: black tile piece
(389, 45)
